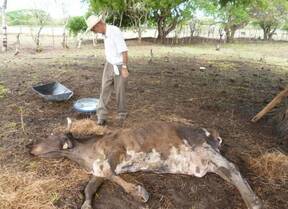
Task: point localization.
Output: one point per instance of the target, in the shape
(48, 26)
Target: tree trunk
(265, 31)
(192, 27)
(232, 34)
(220, 39)
(38, 48)
(227, 31)
(163, 31)
(265, 36)
(163, 28)
(64, 39)
(139, 31)
(139, 35)
(94, 39)
(271, 33)
(228, 35)
(4, 26)
(53, 38)
(79, 43)
(64, 36)
(17, 50)
(121, 19)
(160, 29)
(230, 31)
(80, 39)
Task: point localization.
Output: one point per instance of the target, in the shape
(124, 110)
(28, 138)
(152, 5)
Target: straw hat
(92, 21)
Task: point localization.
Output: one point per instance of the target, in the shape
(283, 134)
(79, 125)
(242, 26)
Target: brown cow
(155, 147)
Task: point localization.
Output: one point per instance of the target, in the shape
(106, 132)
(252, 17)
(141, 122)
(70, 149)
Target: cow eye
(65, 146)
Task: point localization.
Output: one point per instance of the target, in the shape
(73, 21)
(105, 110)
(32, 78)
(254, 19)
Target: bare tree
(193, 25)
(17, 50)
(178, 31)
(36, 37)
(41, 18)
(137, 11)
(4, 26)
(79, 40)
(64, 35)
(221, 34)
(63, 6)
(211, 30)
(271, 16)
(94, 39)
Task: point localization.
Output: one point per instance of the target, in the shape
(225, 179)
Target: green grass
(275, 53)
(11, 126)
(54, 197)
(3, 91)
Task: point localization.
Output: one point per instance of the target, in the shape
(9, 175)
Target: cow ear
(215, 134)
(67, 144)
(70, 136)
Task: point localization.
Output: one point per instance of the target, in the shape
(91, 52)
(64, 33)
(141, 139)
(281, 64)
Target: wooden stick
(22, 120)
(271, 105)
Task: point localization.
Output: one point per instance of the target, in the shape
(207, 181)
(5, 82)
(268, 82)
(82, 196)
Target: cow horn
(69, 124)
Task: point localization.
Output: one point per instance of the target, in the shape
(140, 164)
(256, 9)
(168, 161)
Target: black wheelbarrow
(54, 91)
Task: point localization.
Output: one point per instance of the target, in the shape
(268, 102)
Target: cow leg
(90, 190)
(230, 173)
(106, 168)
(137, 191)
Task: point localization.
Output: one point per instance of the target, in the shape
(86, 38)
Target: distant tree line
(164, 15)
(35, 18)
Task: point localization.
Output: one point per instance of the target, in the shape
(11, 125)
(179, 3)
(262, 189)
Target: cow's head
(55, 145)
(213, 138)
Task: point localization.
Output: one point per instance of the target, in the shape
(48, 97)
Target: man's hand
(124, 72)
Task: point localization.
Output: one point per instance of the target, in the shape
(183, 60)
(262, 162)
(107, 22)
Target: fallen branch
(271, 105)
(22, 120)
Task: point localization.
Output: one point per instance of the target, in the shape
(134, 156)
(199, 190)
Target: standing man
(115, 71)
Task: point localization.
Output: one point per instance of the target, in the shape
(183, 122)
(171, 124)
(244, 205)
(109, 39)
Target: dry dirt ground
(235, 84)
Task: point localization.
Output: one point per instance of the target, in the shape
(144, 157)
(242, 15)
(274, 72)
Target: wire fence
(52, 36)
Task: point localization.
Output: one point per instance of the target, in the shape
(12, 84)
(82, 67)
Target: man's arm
(125, 58)
(124, 70)
(122, 48)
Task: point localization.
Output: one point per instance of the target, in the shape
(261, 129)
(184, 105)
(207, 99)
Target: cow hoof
(87, 205)
(141, 194)
(257, 207)
(257, 204)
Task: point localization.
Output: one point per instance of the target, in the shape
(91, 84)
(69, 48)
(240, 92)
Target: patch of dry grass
(176, 119)
(272, 166)
(20, 189)
(84, 127)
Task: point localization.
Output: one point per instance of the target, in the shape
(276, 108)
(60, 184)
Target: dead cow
(156, 147)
